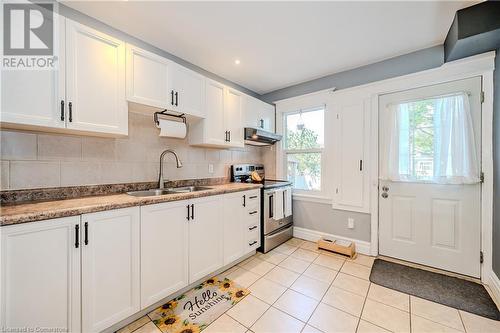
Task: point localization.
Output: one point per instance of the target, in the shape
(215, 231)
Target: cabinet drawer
(253, 234)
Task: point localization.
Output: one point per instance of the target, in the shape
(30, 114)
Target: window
(303, 147)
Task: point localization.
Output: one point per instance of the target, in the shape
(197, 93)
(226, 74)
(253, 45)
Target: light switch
(350, 223)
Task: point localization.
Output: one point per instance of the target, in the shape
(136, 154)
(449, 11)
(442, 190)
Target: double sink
(165, 191)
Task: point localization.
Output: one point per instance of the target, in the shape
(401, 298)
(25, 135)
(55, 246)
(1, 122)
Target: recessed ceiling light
(237, 62)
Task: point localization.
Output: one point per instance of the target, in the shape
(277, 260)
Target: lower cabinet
(110, 267)
(205, 237)
(40, 275)
(164, 250)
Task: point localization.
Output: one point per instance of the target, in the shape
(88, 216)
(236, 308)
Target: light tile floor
(296, 288)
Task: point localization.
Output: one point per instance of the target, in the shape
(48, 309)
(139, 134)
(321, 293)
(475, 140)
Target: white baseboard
(313, 235)
(494, 286)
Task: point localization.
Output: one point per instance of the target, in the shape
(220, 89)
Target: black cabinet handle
(252, 213)
(252, 228)
(360, 165)
(77, 236)
(253, 197)
(176, 98)
(172, 97)
(86, 231)
(244, 200)
(229, 132)
(188, 213)
(70, 106)
(62, 110)
(192, 211)
(252, 243)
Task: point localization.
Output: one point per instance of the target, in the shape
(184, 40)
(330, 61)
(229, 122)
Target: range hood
(259, 137)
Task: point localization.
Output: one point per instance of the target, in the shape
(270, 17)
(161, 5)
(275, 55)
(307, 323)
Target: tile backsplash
(35, 160)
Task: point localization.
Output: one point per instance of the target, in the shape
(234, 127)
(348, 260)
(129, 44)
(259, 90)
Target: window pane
(305, 130)
(304, 170)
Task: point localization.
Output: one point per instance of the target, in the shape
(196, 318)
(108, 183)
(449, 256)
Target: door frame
(479, 65)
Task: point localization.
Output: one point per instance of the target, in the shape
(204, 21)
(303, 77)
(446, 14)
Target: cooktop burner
(242, 173)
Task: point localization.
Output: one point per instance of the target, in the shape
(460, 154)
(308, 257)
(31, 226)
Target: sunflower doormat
(196, 309)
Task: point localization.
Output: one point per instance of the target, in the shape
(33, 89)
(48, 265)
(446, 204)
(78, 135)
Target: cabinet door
(40, 281)
(234, 215)
(258, 114)
(110, 267)
(351, 179)
(164, 250)
(95, 81)
(147, 75)
(214, 121)
(232, 117)
(205, 245)
(188, 88)
(33, 97)
(267, 116)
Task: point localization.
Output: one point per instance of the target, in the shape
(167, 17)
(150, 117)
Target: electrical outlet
(350, 223)
(210, 168)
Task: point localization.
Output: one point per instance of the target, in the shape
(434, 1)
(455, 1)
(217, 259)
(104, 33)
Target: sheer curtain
(453, 159)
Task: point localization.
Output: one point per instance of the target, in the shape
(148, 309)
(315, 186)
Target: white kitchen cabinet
(205, 234)
(234, 238)
(233, 103)
(258, 114)
(351, 176)
(164, 250)
(33, 97)
(95, 81)
(223, 125)
(110, 267)
(241, 224)
(40, 275)
(187, 89)
(147, 78)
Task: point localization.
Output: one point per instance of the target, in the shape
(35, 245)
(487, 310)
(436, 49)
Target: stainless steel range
(276, 204)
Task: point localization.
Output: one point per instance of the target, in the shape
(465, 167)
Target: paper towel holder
(165, 113)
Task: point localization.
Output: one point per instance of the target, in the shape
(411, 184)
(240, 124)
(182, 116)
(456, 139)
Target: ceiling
(279, 43)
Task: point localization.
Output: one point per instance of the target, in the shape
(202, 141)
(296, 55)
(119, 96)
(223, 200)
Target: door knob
(385, 195)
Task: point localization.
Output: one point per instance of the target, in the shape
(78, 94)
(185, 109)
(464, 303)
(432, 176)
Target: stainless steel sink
(174, 190)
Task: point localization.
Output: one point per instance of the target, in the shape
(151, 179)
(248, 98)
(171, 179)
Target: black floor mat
(458, 293)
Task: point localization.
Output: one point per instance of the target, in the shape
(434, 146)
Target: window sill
(312, 198)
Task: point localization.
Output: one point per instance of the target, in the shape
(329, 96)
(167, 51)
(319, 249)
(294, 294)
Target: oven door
(269, 223)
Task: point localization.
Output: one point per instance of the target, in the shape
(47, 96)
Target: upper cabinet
(258, 114)
(223, 126)
(84, 93)
(147, 78)
(95, 81)
(158, 82)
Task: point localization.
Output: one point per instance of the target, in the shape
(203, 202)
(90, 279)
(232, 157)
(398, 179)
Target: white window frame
(321, 151)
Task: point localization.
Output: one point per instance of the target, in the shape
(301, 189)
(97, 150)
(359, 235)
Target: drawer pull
(252, 243)
(252, 228)
(253, 197)
(254, 212)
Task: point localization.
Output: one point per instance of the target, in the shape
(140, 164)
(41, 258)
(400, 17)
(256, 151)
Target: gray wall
(98, 25)
(496, 166)
(321, 217)
(405, 64)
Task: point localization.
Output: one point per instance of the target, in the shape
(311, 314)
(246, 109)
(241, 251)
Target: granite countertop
(42, 210)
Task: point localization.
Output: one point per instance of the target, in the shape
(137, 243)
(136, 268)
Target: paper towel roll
(172, 129)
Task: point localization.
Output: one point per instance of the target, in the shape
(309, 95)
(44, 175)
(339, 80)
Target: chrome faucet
(161, 182)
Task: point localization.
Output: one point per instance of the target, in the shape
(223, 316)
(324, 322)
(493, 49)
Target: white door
(233, 123)
(214, 121)
(34, 97)
(424, 216)
(188, 89)
(164, 250)
(40, 267)
(147, 78)
(95, 81)
(234, 221)
(110, 267)
(205, 237)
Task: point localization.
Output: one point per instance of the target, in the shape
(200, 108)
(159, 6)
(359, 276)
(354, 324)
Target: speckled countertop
(36, 211)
